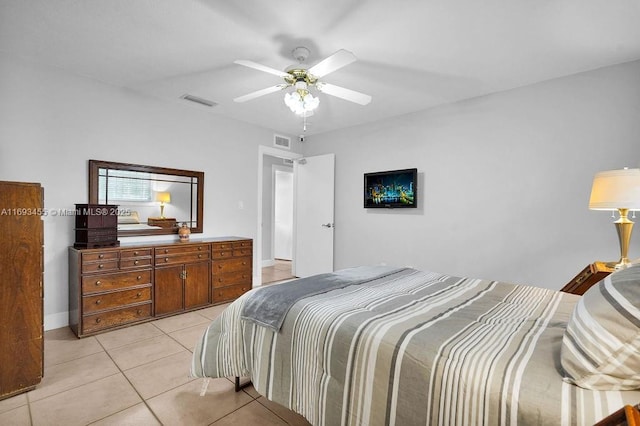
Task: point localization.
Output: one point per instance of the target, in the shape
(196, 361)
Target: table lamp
(618, 190)
(163, 197)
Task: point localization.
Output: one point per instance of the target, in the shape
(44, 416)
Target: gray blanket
(268, 306)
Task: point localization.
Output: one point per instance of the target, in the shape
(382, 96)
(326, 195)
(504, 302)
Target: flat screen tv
(391, 189)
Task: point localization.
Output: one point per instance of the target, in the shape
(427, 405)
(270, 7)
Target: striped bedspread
(412, 348)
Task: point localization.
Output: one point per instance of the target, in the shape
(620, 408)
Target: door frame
(273, 152)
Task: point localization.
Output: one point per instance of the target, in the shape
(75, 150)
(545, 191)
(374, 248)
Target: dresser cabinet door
(168, 290)
(196, 285)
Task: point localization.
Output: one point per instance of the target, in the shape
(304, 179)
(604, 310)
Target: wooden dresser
(114, 287)
(21, 291)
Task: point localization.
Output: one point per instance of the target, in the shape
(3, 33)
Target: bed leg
(239, 386)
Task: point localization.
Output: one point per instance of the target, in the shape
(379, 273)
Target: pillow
(128, 217)
(601, 345)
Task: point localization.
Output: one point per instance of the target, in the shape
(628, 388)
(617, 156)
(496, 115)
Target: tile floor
(278, 272)
(139, 376)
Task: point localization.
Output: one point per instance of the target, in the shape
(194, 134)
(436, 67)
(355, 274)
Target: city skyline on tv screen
(390, 189)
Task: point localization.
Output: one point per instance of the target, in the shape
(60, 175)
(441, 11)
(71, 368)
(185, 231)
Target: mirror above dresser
(151, 200)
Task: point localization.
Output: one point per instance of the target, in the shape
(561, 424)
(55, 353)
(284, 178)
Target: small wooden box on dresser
(111, 288)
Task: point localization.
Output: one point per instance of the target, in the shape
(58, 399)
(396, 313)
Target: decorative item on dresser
(96, 225)
(21, 291)
(589, 276)
(119, 286)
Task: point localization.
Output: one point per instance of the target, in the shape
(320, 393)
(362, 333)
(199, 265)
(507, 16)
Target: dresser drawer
(135, 263)
(103, 320)
(232, 265)
(242, 244)
(230, 293)
(100, 283)
(99, 256)
(180, 258)
(240, 252)
(232, 278)
(105, 266)
(127, 254)
(222, 254)
(227, 245)
(117, 299)
(175, 250)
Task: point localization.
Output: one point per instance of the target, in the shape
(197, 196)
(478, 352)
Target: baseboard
(268, 262)
(53, 321)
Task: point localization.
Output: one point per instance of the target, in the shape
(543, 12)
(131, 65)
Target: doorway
(269, 268)
(277, 230)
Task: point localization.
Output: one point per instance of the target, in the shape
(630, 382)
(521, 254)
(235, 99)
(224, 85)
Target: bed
(399, 346)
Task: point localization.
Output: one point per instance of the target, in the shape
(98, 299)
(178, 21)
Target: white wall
(53, 122)
(504, 180)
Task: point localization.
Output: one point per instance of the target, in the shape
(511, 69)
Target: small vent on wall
(201, 101)
(287, 161)
(281, 141)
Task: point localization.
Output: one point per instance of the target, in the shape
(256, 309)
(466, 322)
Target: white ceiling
(412, 54)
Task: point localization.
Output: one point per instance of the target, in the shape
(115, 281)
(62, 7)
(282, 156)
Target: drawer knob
(100, 266)
(244, 289)
(98, 320)
(98, 302)
(100, 256)
(219, 280)
(166, 259)
(219, 266)
(98, 283)
(135, 262)
(244, 263)
(220, 294)
(199, 256)
(199, 248)
(166, 250)
(221, 253)
(138, 295)
(139, 311)
(135, 253)
(139, 277)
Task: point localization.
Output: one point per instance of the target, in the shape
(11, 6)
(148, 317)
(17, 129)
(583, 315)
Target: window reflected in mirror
(151, 200)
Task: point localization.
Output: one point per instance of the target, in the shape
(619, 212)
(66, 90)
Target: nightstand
(162, 222)
(587, 277)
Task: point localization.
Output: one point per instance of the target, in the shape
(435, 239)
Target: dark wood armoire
(21, 287)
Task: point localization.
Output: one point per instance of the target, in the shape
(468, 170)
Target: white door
(313, 212)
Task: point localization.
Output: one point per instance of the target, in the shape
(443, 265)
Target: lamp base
(620, 264)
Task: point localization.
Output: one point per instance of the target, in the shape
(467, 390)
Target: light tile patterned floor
(139, 376)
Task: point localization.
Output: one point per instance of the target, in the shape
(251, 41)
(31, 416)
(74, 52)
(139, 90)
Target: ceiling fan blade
(259, 93)
(332, 63)
(341, 92)
(260, 67)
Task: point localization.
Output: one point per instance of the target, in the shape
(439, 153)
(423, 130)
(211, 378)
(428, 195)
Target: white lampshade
(616, 189)
(163, 197)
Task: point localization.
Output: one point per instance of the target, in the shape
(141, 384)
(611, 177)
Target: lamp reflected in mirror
(163, 198)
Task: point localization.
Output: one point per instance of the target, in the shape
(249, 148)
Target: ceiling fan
(301, 78)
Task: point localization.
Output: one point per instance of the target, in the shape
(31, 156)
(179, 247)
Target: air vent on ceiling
(281, 141)
(198, 100)
(287, 161)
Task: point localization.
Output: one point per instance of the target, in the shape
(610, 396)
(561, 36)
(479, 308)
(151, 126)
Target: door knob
(328, 225)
